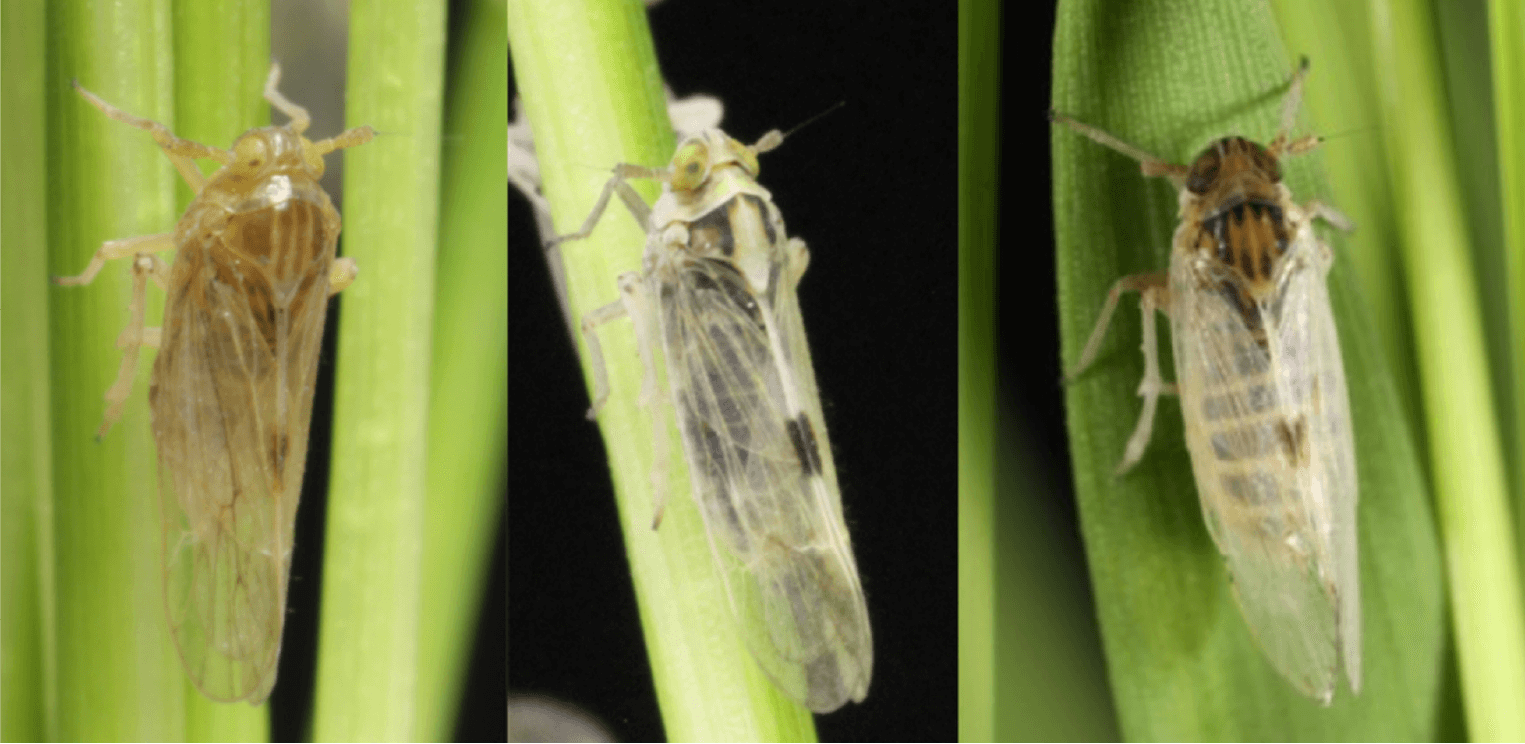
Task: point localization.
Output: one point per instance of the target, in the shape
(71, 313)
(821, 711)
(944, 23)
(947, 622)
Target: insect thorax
(743, 231)
(1236, 223)
(269, 252)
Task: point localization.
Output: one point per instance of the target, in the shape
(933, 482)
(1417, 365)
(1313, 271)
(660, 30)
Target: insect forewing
(240, 336)
(719, 287)
(1269, 433)
(746, 402)
(770, 509)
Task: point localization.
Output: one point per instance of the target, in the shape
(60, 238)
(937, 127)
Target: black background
(872, 189)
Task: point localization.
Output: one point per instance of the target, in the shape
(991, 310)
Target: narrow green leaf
(1506, 21)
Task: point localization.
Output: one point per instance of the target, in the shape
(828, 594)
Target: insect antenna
(775, 137)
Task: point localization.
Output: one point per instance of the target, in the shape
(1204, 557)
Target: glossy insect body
(1262, 391)
(719, 286)
(231, 395)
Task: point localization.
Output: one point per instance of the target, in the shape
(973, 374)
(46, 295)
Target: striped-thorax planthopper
(1262, 391)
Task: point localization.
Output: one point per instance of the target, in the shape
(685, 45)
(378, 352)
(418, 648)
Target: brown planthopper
(231, 394)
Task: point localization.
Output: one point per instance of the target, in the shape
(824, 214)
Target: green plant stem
(468, 408)
(118, 675)
(369, 631)
(26, 524)
(978, 151)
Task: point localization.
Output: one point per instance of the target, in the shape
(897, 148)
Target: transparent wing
(1267, 422)
(231, 400)
(762, 474)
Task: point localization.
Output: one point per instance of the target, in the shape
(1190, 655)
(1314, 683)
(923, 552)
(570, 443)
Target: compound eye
(690, 166)
(1203, 172)
(251, 153)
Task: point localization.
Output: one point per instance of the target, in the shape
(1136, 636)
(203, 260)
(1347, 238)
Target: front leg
(617, 184)
(114, 249)
(181, 152)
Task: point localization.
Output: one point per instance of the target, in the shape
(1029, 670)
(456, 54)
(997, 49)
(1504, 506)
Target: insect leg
(181, 152)
(342, 275)
(123, 248)
(634, 303)
(643, 316)
(590, 323)
(1279, 146)
(297, 114)
(1329, 214)
(1149, 164)
(1135, 283)
(1290, 105)
(628, 195)
(796, 258)
(134, 336)
(130, 341)
(1151, 387)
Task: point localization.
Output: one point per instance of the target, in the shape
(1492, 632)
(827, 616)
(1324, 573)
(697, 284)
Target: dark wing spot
(1293, 436)
(802, 435)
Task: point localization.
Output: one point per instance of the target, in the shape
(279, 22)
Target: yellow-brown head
(266, 152)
